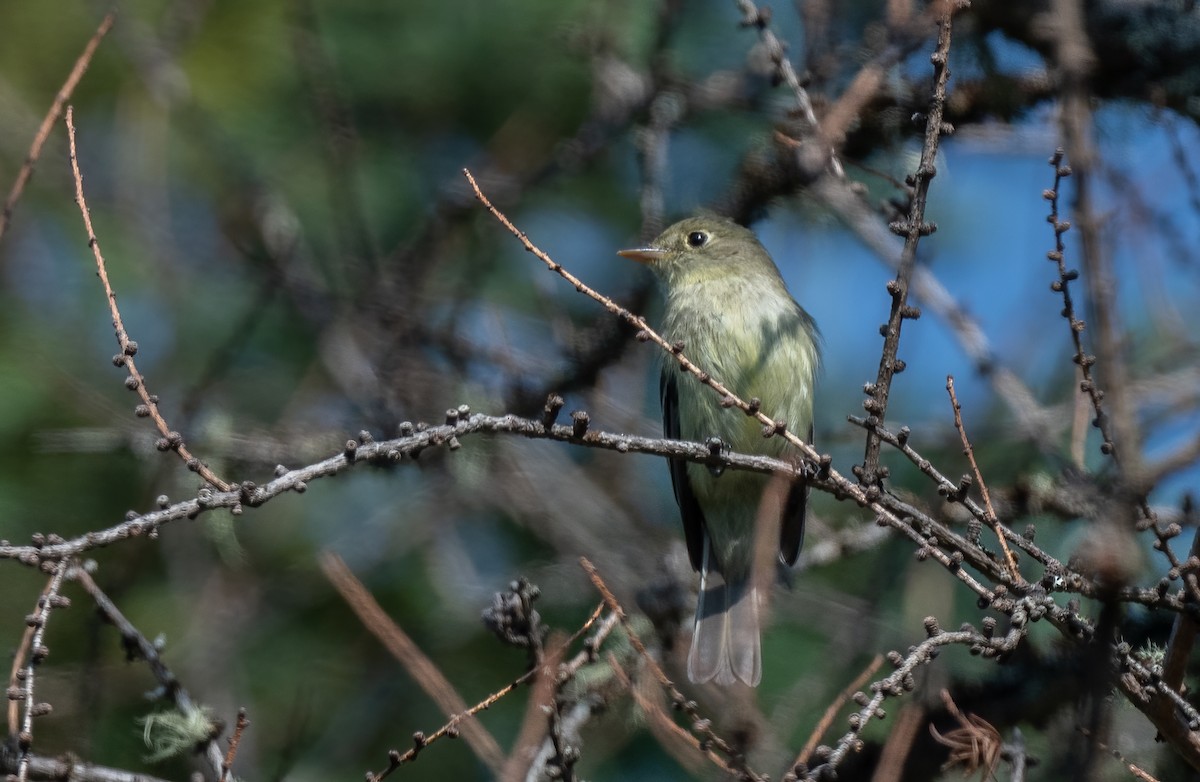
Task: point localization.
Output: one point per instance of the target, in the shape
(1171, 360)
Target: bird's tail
(725, 642)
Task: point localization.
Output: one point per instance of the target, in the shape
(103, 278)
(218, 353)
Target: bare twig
(912, 229)
(170, 441)
(1089, 385)
(753, 16)
(43, 132)
(983, 490)
(670, 735)
(38, 620)
(70, 768)
(901, 680)
(1075, 61)
(234, 742)
(137, 646)
(450, 728)
(733, 761)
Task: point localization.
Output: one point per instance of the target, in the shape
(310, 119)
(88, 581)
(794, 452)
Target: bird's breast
(758, 344)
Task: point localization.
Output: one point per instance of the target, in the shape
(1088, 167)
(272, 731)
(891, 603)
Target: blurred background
(277, 190)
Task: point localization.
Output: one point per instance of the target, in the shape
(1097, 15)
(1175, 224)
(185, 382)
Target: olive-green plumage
(729, 306)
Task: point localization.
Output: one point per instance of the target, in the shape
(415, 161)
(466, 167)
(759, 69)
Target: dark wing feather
(689, 508)
(791, 531)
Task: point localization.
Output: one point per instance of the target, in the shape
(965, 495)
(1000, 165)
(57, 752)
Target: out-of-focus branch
(423, 671)
(70, 769)
(1075, 60)
(43, 132)
(137, 646)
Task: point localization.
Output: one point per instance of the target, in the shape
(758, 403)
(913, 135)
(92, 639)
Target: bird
(728, 305)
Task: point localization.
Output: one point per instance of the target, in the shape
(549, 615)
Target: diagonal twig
(969, 450)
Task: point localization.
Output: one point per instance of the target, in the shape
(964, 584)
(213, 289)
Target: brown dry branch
(969, 450)
(540, 718)
(687, 750)
(1138, 772)
(169, 440)
(235, 741)
(760, 19)
(732, 760)
(912, 228)
(809, 161)
(899, 744)
(43, 132)
(974, 745)
(451, 729)
(422, 670)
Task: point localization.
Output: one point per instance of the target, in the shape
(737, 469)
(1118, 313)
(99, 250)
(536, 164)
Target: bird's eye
(697, 239)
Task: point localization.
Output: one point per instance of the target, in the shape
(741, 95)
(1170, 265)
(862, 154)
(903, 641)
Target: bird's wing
(791, 531)
(689, 508)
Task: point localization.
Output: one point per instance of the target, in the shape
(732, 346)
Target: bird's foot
(717, 448)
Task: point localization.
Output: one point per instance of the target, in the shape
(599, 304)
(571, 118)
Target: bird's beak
(643, 254)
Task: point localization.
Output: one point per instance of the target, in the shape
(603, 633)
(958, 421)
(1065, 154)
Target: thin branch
(912, 229)
(733, 761)
(43, 132)
(1034, 421)
(70, 769)
(170, 441)
(668, 732)
(235, 741)
(1089, 384)
(137, 646)
(1075, 61)
(902, 680)
(450, 728)
(983, 490)
(760, 19)
(918, 526)
(48, 600)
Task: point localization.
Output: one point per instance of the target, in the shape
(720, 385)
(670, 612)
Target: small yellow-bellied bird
(729, 306)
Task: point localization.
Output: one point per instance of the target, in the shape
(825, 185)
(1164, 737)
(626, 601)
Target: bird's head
(704, 249)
